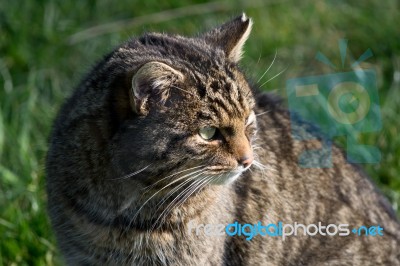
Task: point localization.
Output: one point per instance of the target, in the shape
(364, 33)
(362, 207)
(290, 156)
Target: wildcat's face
(225, 128)
(218, 124)
(194, 110)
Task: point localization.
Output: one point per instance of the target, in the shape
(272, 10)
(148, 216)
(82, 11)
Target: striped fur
(127, 169)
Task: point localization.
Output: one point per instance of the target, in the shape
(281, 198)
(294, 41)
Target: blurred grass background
(47, 46)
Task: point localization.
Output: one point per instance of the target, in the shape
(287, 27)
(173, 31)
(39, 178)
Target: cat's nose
(246, 160)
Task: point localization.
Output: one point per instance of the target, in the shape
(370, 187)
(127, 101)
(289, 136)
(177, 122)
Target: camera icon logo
(338, 104)
(348, 103)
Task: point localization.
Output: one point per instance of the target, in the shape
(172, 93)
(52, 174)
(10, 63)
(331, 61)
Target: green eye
(207, 133)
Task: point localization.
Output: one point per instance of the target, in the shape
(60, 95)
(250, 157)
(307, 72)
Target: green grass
(41, 60)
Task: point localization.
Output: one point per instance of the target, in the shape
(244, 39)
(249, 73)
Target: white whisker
(176, 87)
(273, 60)
(171, 204)
(209, 178)
(169, 176)
(176, 180)
(258, 61)
(274, 77)
(262, 166)
(169, 194)
(130, 175)
(266, 112)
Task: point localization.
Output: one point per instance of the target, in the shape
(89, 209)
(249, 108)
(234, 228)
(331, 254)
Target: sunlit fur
(127, 168)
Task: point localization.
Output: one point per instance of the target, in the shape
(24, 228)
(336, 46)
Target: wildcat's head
(191, 109)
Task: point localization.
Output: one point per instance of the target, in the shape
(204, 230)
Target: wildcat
(166, 133)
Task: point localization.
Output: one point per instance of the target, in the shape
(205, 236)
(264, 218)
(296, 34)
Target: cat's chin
(228, 177)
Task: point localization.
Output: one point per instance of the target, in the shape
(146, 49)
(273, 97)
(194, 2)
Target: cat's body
(127, 166)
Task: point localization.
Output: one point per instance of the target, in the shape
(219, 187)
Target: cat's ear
(153, 78)
(231, 36)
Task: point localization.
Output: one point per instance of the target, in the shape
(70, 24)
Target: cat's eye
(207, 133)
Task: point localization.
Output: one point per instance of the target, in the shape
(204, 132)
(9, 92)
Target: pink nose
(246, 160)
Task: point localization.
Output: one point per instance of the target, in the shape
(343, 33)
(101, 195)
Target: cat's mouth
(214, 170)
(225, 175)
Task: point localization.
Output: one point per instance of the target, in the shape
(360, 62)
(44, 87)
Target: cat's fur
(127, 169)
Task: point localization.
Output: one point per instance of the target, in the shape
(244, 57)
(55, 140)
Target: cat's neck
(209, 205)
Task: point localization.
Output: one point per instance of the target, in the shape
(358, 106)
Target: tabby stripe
(241, 100)
(236, 98)
(279, 152)
(286, 145)
(202, 91)
(222, 103)
(206, 116)
(229, 72)
(238, 107)
(203, 116)
(218, 113)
